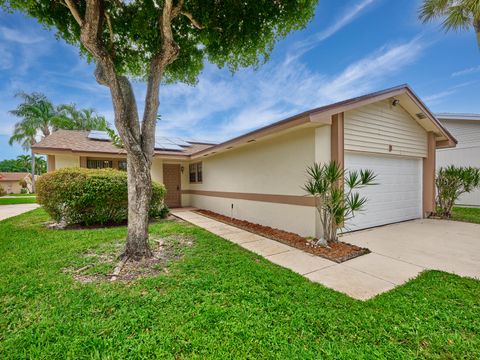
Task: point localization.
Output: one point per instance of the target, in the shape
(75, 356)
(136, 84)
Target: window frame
(193, 173)
(100, 161)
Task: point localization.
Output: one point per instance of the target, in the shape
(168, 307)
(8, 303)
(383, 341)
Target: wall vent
(421, 116)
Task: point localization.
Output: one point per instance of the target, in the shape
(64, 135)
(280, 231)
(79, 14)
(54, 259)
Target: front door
(171, 179)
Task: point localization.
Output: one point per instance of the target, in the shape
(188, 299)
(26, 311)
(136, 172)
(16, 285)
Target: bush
(451, 182)
(90, 197)
(2, 191)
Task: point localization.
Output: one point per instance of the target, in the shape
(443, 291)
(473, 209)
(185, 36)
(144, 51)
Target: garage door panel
(398, 195)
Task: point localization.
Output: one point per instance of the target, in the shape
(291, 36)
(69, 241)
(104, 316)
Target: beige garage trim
(272, 198)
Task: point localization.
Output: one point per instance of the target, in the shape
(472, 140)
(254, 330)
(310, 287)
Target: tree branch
(193, 21)
(110, 31)
(167, 54)
(74, 10)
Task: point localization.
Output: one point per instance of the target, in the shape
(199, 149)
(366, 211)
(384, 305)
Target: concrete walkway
(368, 275)
(7, 211)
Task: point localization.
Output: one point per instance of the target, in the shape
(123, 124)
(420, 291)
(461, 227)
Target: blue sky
(350, 48)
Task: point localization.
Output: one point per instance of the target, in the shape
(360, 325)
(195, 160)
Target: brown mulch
(336, 251)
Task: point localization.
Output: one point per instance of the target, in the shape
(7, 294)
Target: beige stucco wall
(64, 161)
(274, 166)
(157, 170)
(11, 187)
(372, 128)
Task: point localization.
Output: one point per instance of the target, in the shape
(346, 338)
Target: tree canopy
(228, 33)
(455, 14)
(23, 163)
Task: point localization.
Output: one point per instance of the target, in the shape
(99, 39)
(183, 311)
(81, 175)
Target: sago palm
(456, 14)
(337, 199)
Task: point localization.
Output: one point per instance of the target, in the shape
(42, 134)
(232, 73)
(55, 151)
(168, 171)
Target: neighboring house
(10, 181)
(466, 129)
(259, 176)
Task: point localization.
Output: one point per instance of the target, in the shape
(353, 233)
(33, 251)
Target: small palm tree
(336, 198)
(456, 14)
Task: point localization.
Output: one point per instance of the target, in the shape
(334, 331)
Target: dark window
(99, 164)
(122, 165)
(195, 172)
(199, 172)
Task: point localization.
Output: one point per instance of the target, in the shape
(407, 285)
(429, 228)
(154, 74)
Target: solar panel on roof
(163, 145)
(99, 135)
(180, 142)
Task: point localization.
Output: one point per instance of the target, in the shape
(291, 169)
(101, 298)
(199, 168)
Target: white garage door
(398, 195)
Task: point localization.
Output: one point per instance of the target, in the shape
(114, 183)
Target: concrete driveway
(450, 246)
(7, 211)
(399, 253)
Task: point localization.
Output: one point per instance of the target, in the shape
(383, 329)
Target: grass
(21, 195)
(219, 301)
(466, 214)
(17, 200)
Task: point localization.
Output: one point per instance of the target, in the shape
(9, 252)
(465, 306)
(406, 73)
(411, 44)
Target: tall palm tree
(25, 133)
(37, 114)
(456, 14)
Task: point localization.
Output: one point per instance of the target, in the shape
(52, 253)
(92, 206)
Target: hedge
(90, 196)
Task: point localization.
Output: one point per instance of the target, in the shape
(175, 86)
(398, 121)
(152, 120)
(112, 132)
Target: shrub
(451, 182)
(2, 191)
(336, 198)
(23, 183)
(90, 197)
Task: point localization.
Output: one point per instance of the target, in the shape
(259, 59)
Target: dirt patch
(103, 265)
(337, 251)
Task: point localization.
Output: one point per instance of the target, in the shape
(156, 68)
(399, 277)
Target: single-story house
(10, 181)
(259, 176)
(466, 129)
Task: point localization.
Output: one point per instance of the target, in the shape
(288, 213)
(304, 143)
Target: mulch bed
(337, 251)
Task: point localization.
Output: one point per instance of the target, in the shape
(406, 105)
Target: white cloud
(467, 71)
(360, 76)
(20, 37)
(352, 12)
(6, 58)
(252, 99)
(434, 98)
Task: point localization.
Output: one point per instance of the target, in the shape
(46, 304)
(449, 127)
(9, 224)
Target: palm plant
(70, 118)
(24, 161)
(337, 200)
(25, 133)
(451, 182)
(456, 14)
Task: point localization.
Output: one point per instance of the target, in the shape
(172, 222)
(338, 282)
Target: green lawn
(21, 195)
(220, 301)
(17, 200)
(466, 214)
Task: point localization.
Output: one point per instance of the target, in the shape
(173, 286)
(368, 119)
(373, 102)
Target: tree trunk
(139, 195)
(33, 172)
